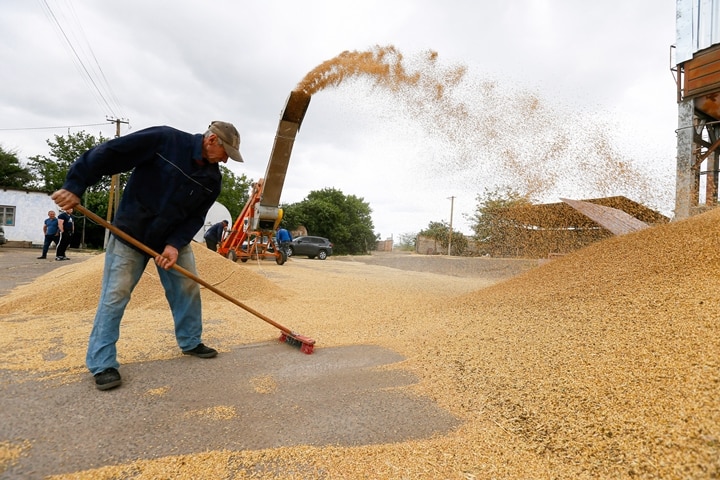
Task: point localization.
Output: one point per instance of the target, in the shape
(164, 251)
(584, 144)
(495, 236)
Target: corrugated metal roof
(612, 219)
(563, 216)
(697, 27)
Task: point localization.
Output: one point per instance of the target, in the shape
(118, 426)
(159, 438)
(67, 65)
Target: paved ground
(336, 396)
(20, 265)
(485, 267)
(333, 397)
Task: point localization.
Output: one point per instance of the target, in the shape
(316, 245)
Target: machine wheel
(232, 255)
(281, 257)
(322, 254)
(244, 259)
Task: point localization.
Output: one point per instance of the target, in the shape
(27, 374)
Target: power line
(50, 128)
(104, 79)
(85, 72)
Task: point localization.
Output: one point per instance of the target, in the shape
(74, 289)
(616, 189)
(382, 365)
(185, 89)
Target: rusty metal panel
(612, 219)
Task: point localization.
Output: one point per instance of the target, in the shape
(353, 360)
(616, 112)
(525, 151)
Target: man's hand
(65, 199)
(167, 258)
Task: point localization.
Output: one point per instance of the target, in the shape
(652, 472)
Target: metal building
(697, 71)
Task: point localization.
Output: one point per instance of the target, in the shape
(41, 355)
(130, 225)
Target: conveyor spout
(290, 121)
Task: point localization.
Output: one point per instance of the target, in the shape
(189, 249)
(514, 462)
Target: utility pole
(114, 197)
(452, 202)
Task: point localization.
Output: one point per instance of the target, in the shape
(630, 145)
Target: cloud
(181, 63)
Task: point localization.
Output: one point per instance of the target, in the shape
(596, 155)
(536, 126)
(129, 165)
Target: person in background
(175, 180)
(284, 238)
(215, 234)
(66, 227)
(51, 232)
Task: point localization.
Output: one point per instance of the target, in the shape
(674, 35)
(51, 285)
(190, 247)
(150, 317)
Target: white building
(23, 213)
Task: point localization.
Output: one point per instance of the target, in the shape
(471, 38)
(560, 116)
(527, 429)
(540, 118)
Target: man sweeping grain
(174, 181)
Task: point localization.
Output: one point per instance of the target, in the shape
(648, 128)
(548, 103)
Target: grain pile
(602, 364)
(59, 328)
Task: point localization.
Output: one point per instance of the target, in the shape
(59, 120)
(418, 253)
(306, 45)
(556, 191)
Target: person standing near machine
(66, 227)
(284, 238)
(215, 235)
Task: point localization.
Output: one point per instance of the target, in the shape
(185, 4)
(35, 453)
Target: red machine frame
(247, 241)
(253, 233)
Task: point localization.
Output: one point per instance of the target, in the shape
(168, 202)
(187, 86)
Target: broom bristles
(306, 344)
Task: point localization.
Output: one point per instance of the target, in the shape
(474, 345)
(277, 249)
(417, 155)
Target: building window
(7, 215)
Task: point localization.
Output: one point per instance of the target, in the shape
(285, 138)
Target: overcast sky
(552, 82)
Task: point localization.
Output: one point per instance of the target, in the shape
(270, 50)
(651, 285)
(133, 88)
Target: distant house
(384, 245)
(22, 213)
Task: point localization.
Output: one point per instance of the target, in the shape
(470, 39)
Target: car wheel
(322, 254)
(290, 252)
(311, 256)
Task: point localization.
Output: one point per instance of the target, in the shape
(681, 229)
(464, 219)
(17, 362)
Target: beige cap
(230, 138)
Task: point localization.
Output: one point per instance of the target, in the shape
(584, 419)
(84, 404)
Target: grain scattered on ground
(10, 452)
(604, 363)
(218, 412)
(264, 385)
(45, 332)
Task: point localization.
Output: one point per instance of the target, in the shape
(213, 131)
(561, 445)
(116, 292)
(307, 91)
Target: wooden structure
(697, 71)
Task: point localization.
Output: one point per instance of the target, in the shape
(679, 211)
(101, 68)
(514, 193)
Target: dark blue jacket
(68, 224)
(170, 190)
(215, 232)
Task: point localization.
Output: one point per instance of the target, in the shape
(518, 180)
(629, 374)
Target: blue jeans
(123, 268)
(49, 239)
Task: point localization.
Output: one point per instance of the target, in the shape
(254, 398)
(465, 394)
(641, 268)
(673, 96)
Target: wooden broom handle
(119, 233)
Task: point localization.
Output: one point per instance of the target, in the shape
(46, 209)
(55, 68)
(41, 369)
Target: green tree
(406, 241)
(12, 174)
(439, 231)
(495, 223)
(51, 170)
(344, 219)
(235, 191)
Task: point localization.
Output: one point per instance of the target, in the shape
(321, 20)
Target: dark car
(311, 246)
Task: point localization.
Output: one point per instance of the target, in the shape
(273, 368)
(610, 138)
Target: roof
(620, 215)
(24, 190)
(617, 221)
